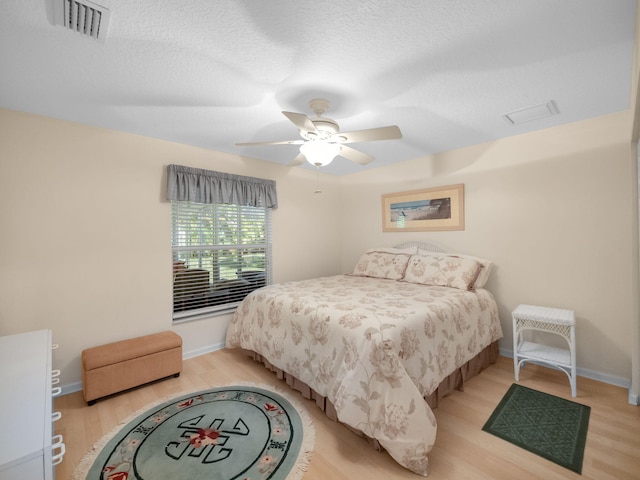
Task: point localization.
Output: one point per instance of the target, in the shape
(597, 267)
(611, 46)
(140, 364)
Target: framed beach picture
(431, 209)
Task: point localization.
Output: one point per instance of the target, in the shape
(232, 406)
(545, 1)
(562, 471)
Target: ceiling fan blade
(354, 155)
(299, 160)
(301, 121)
(369, 135)
(257, 144)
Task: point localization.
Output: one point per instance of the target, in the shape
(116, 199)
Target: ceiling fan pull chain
(318, 179)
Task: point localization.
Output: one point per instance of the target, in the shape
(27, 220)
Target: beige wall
(552, 208)
(85, 245)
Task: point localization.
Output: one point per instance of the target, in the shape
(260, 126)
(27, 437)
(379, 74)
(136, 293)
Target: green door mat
(544, 424)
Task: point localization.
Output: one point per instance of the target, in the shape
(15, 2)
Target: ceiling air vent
(528, 114)
(82, 16)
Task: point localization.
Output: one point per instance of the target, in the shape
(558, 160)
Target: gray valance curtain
(188, 184)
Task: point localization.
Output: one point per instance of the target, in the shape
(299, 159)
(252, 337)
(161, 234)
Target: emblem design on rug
(220, 434)
(210, 444)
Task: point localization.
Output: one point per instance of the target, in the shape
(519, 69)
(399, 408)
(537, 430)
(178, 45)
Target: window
(220, 238)
(221, 253)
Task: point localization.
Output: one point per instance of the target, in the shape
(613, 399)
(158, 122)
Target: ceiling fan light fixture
(320, 153)
(322, 141)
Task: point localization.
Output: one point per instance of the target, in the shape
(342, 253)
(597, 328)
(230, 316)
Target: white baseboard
(77, 386)
(71, 388)
(594, 375)
(202, 351)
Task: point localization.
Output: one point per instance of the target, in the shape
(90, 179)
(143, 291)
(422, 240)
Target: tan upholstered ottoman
(118, 366)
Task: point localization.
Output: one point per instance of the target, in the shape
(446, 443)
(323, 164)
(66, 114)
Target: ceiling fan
(322, 140)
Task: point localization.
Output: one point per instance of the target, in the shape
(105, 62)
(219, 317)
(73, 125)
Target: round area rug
(233, 432)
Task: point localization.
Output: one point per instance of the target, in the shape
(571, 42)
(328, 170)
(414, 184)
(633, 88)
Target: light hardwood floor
(462, 450)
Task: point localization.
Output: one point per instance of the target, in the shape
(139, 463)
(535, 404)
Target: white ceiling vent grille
(528, 114)
(82, 16)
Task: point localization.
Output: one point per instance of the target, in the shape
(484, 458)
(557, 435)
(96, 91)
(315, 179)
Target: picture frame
(430, 209)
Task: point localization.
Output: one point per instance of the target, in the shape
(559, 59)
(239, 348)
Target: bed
(377, 348)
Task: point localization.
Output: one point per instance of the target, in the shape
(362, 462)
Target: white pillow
(483, 276)
(443, 270)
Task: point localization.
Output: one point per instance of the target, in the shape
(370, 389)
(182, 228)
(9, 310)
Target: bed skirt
(455, 381)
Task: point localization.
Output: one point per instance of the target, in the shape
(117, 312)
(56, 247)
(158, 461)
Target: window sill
(184, 317)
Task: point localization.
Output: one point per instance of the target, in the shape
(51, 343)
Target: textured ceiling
(213, 73)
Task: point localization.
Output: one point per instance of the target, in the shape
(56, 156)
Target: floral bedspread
(374, 347)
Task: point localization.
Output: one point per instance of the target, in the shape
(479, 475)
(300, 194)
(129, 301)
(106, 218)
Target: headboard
(428, 246)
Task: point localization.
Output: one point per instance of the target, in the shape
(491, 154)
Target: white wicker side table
(545, 319)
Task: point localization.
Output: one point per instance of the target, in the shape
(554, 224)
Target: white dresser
(28, 449)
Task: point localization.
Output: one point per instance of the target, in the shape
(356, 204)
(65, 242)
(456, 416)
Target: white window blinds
(221, 252)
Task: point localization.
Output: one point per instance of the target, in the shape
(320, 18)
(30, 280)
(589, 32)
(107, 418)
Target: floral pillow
(382, 265)
(443, 270)
(485, 272)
